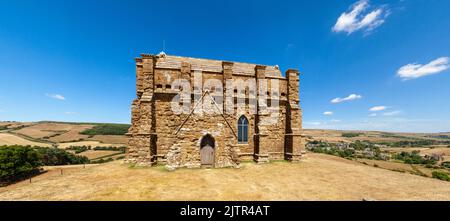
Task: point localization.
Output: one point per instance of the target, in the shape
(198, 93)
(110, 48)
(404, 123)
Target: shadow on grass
(17, 179)
(243, 164)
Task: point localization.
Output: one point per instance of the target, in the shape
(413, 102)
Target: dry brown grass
(396, 166)
(63, 134)
(116, 139)
(72, 134)
(11, 139)
(68, 132)
(440, 150)
(317, 177)
(94, 154)
(35, 132)
(326, 135)
(13, 125)
(404, 149)
(415, 169)
(115, 157)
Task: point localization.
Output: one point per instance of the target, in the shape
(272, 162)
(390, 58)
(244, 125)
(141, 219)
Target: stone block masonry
(255, 117)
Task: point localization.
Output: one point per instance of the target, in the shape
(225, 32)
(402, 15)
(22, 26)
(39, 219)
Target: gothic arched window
(242, 129)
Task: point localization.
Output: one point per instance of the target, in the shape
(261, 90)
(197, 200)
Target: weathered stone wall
(141, 150)
(195, 128)
(295, 144)
(158, 135)
(166, 124)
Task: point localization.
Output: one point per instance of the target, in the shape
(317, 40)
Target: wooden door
(207, 155)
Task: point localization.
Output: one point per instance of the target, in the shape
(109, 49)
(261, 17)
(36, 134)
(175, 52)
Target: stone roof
(209, 65)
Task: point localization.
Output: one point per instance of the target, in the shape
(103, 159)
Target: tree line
(19, 162)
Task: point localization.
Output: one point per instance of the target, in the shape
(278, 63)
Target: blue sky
(73, 60)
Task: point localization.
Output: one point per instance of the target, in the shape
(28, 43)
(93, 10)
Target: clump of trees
(357, 149)
(413, 158)
(121, 149)
(441, 136)
(102, 160)
(414, 143)
(107, 129)
(55, 157)
(79, 149)
(347, 153)
(331, 149)
(349, 135)
(446, 164)
(359, 145)
(440, 175)
(18, 162)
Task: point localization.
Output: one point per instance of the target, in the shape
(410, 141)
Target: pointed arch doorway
(207, 150)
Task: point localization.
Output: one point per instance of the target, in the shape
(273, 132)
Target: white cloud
(313, 123)
(290, 46)
(355, 19)
(70, 113)
(56, 96)
(322, 124)
(348, 98)
(328, 113)
(378, 108)
(373, 115)
(392, 113)
(413, 71)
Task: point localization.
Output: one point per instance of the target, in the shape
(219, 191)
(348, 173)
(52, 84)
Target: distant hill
(63, 132)
(373, 136)
(46, 133)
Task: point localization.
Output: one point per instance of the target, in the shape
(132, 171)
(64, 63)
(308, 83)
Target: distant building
(434, 156)
(385, 156)
(368, 152)
(343, 146)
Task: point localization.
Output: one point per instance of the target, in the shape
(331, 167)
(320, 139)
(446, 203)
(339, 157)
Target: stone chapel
(219, 138)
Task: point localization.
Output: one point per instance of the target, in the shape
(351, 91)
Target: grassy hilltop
(339, 165)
